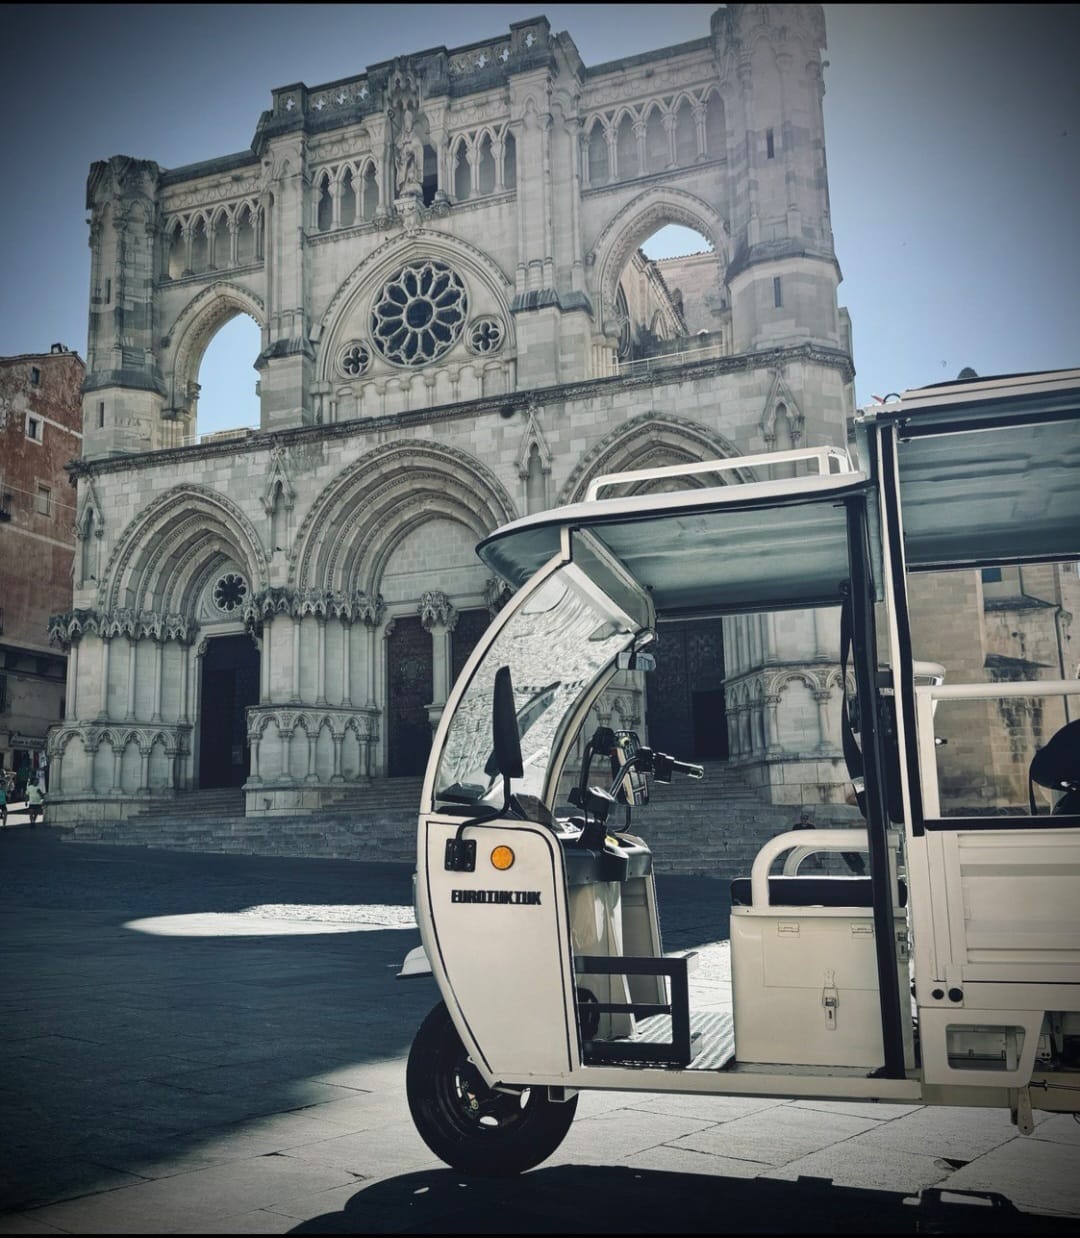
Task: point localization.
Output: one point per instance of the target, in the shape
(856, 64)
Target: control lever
(661, 765)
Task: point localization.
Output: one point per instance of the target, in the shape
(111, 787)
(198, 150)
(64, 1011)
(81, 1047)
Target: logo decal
(527, 898)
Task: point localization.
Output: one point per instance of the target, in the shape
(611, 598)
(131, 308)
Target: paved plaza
(216, 1044)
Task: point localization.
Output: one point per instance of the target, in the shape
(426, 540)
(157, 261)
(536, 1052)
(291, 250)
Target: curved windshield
(556, 644)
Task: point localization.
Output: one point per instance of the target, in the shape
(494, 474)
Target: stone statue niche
(407, 128)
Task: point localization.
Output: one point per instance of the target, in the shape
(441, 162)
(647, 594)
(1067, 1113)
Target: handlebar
(661, 765)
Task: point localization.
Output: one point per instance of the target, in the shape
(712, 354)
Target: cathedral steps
(712, 827)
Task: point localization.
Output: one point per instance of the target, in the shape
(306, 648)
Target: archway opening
(685, 698)
(230, 684)
(228, 392)
(670, 299)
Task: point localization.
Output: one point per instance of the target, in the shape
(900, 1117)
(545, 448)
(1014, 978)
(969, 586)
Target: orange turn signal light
(502, 858)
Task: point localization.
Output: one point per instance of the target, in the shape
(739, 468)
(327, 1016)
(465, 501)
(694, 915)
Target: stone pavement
(216, 1044)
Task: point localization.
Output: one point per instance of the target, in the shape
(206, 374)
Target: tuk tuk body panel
(805, 986)
(822, 1002)
(499, 945)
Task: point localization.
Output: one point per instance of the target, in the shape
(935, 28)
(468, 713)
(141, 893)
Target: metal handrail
(824, 457)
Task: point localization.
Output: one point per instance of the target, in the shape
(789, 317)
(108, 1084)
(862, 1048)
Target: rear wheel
(467, 1124)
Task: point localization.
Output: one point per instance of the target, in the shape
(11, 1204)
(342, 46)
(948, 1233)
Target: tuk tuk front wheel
(464, 1122)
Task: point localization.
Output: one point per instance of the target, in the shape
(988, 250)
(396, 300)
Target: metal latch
(830, 1000)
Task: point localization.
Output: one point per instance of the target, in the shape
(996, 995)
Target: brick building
(40, 432)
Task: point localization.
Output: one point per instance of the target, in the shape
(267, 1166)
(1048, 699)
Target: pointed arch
(637, 221)
(346, 537)
(368, 277)
(195, 326)
(649, 440)
(161, 560)
(781, 397)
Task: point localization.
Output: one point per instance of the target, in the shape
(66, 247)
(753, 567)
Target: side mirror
(633, 660)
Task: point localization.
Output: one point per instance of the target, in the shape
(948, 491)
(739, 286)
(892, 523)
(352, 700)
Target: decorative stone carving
(436, 609)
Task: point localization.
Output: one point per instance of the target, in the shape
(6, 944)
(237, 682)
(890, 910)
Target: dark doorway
(710, 726)
(410, 688)
(685, 694)
(470, 626)
(230, 684)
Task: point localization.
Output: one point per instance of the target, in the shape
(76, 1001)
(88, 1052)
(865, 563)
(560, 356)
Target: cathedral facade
(458, 327)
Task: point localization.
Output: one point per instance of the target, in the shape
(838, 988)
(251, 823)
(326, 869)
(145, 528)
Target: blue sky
(952, 138)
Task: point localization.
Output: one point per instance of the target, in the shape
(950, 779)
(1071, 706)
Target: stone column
(159, 670)
(254, 747)
(117, 758)
(337, 776)
(346, 662)
(438, 617)
(71, 694)
(295, 698)
(103, 708)
(264, 665)
(311, 775)
(132, 646)
(821, 696)
(772, 724)
(184, 714)
(144, 769)
(320, 661)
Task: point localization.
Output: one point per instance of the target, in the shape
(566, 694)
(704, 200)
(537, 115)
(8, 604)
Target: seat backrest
(1056, 765)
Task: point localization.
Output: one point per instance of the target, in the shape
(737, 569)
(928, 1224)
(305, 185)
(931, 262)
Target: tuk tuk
(949, 974)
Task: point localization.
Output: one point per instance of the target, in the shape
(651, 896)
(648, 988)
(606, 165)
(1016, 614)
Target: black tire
(466, 1124)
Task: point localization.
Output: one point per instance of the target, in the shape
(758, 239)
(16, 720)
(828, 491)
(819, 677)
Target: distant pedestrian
(35, 800)
(806, 822)
(852, 859)
(3, 800)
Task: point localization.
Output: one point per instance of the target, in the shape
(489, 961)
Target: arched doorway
(685, 694)
(410, 689)
(230, 684)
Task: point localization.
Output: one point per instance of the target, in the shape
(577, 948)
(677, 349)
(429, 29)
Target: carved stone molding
(436, 610)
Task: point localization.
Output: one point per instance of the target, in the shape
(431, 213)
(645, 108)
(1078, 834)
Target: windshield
(556, 645)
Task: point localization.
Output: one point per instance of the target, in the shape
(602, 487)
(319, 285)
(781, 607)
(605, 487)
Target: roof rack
(827, 459)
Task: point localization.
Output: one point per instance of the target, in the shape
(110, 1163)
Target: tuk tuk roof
(756, 545)
(989, 472)
(989, 468)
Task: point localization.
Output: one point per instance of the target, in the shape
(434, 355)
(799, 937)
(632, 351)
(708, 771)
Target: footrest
(679, 1051)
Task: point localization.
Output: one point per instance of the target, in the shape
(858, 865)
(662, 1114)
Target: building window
(229, 592)
(777, 293)
(108, 283)
(419, 314)
(101, 414)
(770, 144)
(991, 575)
(44, 501)
(35, 375)
(33, 428)
(354, 359)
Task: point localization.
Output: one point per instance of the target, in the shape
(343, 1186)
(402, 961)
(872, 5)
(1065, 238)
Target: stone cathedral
(458, 327)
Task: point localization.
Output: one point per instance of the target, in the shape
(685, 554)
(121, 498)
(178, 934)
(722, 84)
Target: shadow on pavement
(578, 1199)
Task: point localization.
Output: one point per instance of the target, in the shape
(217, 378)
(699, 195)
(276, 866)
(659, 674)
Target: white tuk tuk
(948, 975)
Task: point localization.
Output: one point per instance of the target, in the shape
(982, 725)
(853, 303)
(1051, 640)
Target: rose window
(354, 360)
(486, 335)
(419, 314)
(229, 592)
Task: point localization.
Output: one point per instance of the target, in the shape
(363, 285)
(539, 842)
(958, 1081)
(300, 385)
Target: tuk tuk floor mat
(716, 1029)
